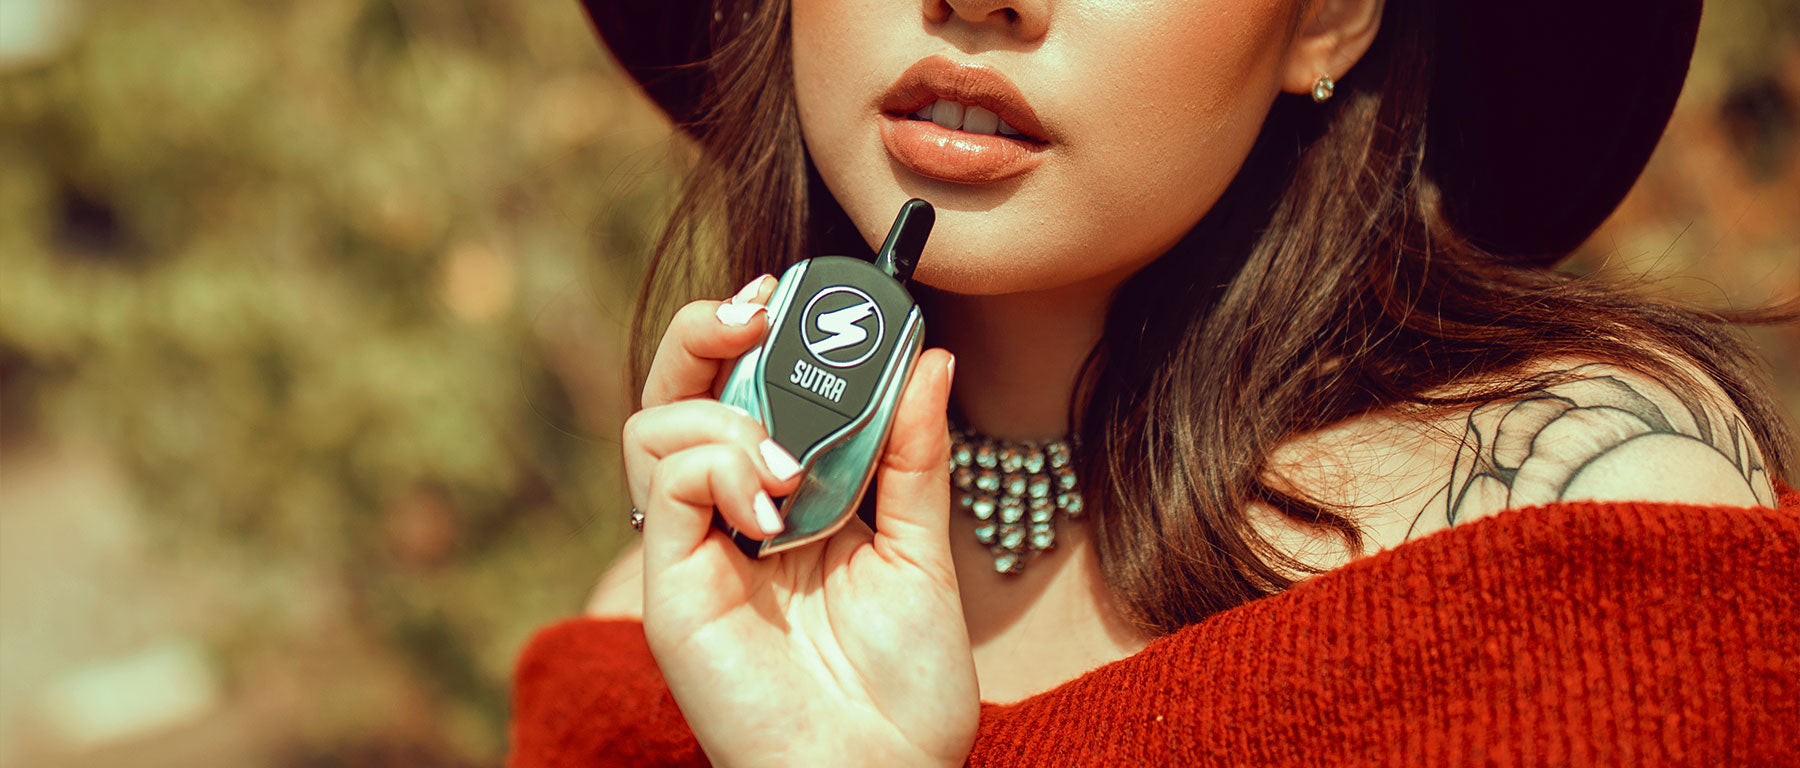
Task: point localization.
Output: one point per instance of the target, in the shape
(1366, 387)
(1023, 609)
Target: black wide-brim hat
(1542, 112)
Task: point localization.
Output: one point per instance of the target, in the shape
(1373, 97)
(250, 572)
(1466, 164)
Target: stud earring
(1322, 89)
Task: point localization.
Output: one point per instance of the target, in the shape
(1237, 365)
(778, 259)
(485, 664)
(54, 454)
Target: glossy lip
(937, 77)
(934, 151)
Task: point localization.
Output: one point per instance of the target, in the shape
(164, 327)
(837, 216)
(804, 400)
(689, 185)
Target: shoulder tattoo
(1564, 440)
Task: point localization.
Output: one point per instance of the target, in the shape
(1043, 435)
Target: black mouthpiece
(906, 240)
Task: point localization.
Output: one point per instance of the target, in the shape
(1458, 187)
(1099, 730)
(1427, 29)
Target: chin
(980, 247)
(991, 273)
(977, 265)
(970, 279)
(979, 262)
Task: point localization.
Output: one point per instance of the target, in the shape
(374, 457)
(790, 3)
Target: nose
(1026, 20)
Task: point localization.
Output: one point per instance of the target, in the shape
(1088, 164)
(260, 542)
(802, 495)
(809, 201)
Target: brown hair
(1324, 283)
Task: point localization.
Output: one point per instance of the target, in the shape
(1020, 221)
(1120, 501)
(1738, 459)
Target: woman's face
(1150, 107)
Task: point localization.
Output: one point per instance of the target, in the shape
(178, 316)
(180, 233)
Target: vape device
(844, 335)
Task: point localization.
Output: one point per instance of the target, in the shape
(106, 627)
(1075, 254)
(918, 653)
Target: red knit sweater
(1574, 634)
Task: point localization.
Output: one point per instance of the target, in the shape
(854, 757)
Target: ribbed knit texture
(1573, 634)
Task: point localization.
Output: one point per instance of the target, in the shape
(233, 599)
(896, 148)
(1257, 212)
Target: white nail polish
(736, 315)
(749, 291)
(740, 411)
(766, 515)
(780, 463)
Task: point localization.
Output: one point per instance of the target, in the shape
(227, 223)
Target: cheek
(838, 60)
(1169, 111)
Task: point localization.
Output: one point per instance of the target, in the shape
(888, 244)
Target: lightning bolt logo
(842, 325)
(844, 332)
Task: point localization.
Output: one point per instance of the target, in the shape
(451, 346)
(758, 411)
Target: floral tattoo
(1548, 444)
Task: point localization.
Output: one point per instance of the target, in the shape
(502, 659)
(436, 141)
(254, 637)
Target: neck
(1017, 355)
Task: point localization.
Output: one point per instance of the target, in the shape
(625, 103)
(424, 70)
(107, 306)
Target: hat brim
(1540, 125)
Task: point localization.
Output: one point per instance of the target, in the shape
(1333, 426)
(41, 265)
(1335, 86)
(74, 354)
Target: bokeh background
(312, 319)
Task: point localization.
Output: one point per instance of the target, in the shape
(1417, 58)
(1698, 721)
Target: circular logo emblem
(837, 329)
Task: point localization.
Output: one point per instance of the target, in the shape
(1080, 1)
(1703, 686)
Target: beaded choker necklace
(1015, 490)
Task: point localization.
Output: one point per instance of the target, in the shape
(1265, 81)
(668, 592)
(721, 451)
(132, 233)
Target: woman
(1278, 273)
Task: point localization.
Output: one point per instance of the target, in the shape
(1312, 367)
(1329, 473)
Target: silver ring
(637, 520)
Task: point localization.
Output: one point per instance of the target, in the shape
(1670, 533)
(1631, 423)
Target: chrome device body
(844, 336)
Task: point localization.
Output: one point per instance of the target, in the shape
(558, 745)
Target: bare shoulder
(1599, 431)
(620, 593)
(1589, 431)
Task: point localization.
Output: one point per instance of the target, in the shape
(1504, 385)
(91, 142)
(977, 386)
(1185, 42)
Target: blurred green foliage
(343, 284)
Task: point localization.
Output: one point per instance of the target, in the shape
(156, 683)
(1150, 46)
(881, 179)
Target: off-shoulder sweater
(1579, 633)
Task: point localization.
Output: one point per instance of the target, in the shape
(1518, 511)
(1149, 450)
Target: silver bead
(1010, 459)
(964, 501)
(1041, 510)
(1069, 503)
(1011, 510)
(1039, 487)
(961, 455)
(1006, 563)
(1014, 484)
(985, 457)
(1011, 536)
(1065, 479)
(963, 478)
(1034, 461)
(1043, 537)
(1058, 453)
(984, 532)
(988, 480)
(983, 507)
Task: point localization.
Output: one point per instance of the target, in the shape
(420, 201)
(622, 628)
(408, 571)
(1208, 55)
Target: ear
(1332, 35)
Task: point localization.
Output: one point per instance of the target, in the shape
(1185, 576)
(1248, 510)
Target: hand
(850, 651)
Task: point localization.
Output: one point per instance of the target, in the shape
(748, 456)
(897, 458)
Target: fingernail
(950, 371)
(766, 516)
(781, 463)
(749, 291)
(736, 315)
(736, 408)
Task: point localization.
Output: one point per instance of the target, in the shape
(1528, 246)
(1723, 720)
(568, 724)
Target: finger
(653, 434)
(912, 504)
(684, 490)
(765, 290)
(701, 338)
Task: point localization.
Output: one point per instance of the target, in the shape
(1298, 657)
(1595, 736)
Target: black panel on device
(823, 364)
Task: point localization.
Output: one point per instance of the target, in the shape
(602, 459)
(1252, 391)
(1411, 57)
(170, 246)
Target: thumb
(912, 502)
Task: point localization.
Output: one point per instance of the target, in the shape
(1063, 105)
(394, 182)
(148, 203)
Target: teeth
(978, 120)
(947, 113)
(955, 116)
